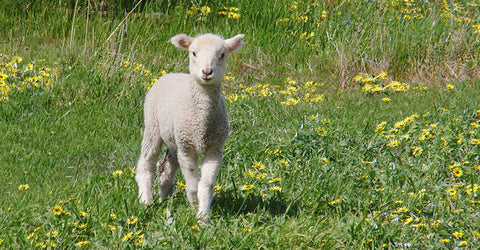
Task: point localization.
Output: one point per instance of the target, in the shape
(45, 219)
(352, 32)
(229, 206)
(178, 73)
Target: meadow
(355, 124)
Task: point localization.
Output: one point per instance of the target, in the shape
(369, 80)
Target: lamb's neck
(207, 94)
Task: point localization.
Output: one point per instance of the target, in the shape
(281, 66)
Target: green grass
(308, 164)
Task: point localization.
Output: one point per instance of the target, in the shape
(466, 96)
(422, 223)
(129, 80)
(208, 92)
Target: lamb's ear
(235, 43)
(182, 41)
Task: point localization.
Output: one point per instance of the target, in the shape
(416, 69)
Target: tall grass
(389, 161)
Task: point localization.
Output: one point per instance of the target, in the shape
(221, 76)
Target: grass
(338, 140)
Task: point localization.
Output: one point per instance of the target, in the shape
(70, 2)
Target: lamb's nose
(207, 72)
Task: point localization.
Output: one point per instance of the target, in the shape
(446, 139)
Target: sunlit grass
(392, 161)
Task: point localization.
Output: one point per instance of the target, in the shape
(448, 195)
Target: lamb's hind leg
(189, 164)
(167, 169)
(151, 146)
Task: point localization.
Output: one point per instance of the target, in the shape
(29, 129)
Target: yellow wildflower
(463, 243)
(181, 185)
(127, 236)
(258, 165)
(205, 10)
(334, 202)
(274, 180)
(458, 234)
(82, 243)
(194, 228)
(132, 220)
(275, 189)
(452, 191)
(392, 143)
(58, 210)
(23, 187)
(247, 187)
(457, 172)
(117, 173)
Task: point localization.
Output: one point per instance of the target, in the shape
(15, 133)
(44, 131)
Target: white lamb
(187, 113)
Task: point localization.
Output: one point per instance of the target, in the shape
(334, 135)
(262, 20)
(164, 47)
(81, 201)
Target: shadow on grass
(229, 202)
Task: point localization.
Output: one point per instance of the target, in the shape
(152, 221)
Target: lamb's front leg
(210, 167)
(189, 164)
(145, 169)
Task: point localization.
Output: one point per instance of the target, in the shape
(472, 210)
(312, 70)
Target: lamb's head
(208, 55)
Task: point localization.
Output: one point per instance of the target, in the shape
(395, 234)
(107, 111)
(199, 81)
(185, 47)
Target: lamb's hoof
(145, 201)
(204, 222)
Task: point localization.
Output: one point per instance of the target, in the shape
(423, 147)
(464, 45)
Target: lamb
(187, 113)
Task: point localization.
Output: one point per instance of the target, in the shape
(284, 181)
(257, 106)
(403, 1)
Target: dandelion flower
(380, 127)
(324, 160)
(137, 68)
(58, 210)
(321, 131)
(233, 15)
(334, 202)
(416, 151)
(275, 189)
(261, 176)
(402, 210)
(444, 240)
(382, 75)
(463, 243)
(181, 185)
(216, 188)
(41, 245)
(194, 228)
(450, 86)
(17, 59)
(132, 220)
(457, 172)
(247, 187)
(258, 165)
(83, 213)
(23, 187)
(125, 64)
(324, 14)
(452, 191)
(274, 180)
(117, 173)
(407, 220)
(127, 237)
(386, 99)
(113, 216)
(205, 10)
(111, 228)
(290, 101)
(82, 243)
(435, 222)
(393, 144)
(458, 234)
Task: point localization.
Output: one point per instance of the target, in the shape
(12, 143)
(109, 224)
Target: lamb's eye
(194, 54)
(222, 56)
